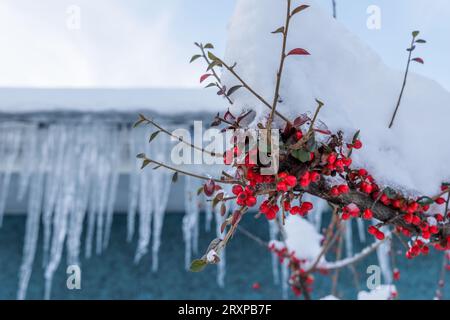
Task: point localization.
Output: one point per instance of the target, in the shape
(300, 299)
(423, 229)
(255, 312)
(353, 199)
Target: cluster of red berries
(419, 247)
(245, 197)
(298, 274)
(376, 232)
(335, 162)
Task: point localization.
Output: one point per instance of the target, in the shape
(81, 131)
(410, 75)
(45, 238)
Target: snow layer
(359, 90)
(383, 292)
(303, 238)
(165, 101)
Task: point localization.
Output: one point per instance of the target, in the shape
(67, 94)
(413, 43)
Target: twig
(246, 86)
(404, 83)
(251, 236)
(163, 130)
(194, 175)
(281, 67)
(215, 75)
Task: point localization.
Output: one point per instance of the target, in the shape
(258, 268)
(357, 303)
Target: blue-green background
(113, 275)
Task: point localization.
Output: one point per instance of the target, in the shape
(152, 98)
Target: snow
(303, 239)
(164, 101)
(383, 292)
(359, 90)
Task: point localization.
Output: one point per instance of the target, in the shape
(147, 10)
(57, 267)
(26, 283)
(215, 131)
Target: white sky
(142, 43)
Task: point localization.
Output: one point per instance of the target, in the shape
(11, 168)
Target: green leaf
(415, 33)
(233, 90)
(302, 155)
(141, 156)
(195, 58)
(423, 201)
(299, 9)
(420, 41)
(311, 144)
(210, 85)
(208, 46)
(215, 63)
(175, 177)
(157, 167)
(200, 190)
(212, 56)
(356, 136)
(198, 265)
(391, 193)
(279, 30)
(145, 163)
(154, 135)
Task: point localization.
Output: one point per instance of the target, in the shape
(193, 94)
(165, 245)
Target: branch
(246, 86)
(356, 258)
(143, 119)
(147, 161)
(221, 88)
(281, 67)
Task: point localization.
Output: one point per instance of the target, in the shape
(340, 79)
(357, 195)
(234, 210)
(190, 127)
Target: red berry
(291, 181)
(331, 158)
(396, 274)
(362, 172)
(281, 186)
(307, 206)
(314, 176)
(343, 188)
(251, 201)
(379, 235)
(440, 201)
(357, 144)
(367, 214)
(334, 192)
(372, 230)
(298, 135)
(237, 189)
(256, 286)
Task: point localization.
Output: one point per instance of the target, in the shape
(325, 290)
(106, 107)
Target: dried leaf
(154, 135)
(208, 46)
(418, 60)
(279, 30)
(204, 77)
(175, 177)
(299, 9)
(298, 52)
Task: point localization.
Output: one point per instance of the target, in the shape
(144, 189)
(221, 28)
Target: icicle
(133, 194)
(10, 142)
(33, 218)
(208, 214)
(273, 235)
(383, 254)
(29, 144)
(112, 191)
(221, 267)
(161, 188)
(361, 230)
(285, 280)
(64, 205)
(349, 238)
(58, 139)
(190, 220)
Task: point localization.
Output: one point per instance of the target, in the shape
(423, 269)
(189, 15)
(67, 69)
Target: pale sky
(148, 43)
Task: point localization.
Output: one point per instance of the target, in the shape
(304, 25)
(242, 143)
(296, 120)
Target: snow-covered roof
(164, 101)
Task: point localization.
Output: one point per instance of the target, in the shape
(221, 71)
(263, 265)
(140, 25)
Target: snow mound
(330, 297)
(359, 90)
(383, 292)
(303, 238)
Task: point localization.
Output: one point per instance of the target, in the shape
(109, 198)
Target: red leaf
(326, 132)
(299, 52)
(419, 60)
(204, 77)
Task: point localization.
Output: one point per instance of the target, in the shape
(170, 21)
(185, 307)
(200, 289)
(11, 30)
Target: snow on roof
(359, 90)
(164, 101)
